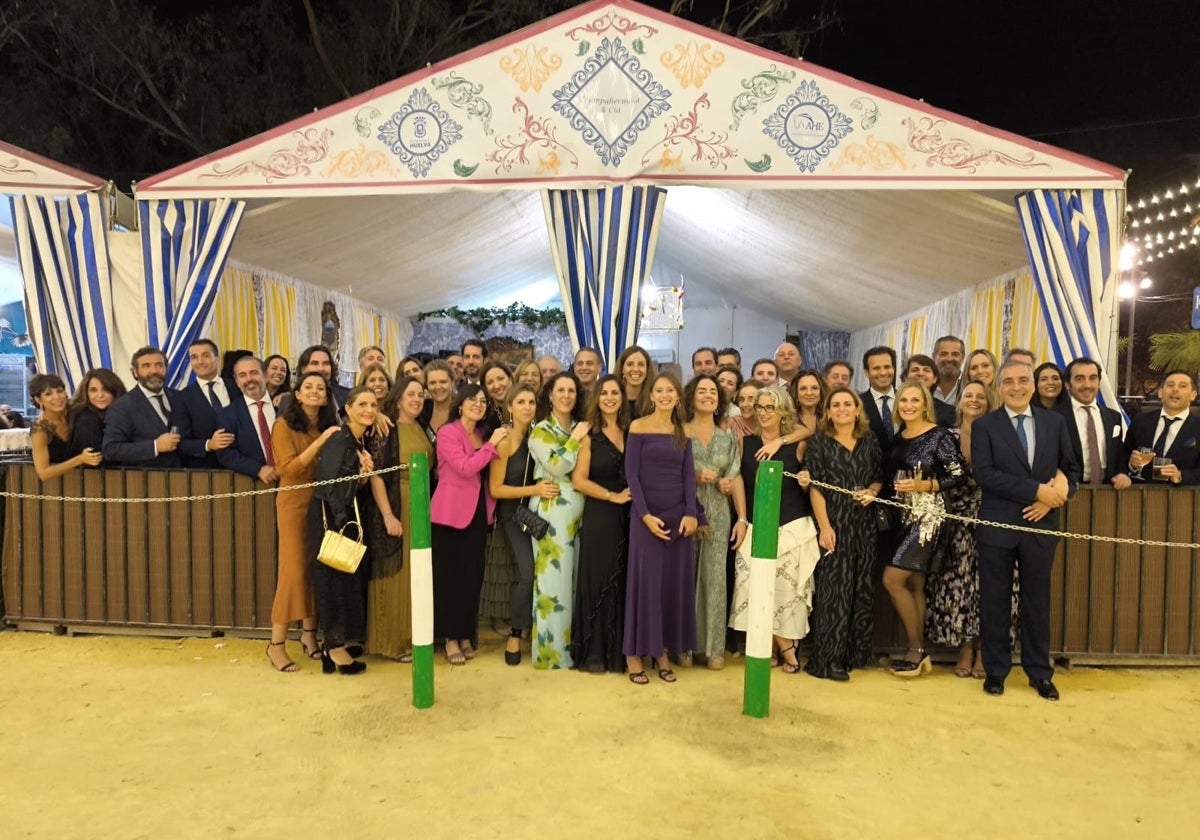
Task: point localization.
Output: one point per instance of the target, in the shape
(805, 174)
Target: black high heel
(907, 668)
(328, 666)
(313, 652)
(289, 668)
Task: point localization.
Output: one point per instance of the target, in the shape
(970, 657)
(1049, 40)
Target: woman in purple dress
(660, 596)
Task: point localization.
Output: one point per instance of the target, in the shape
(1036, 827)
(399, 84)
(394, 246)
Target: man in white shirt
(788, 361)
(1173, 432)
(765, 371)
(549, 367)
(879, 400)
(200, 402)
(948, 352)
(586, 367)
(474, 354)
(1096, 432)
(250, 416)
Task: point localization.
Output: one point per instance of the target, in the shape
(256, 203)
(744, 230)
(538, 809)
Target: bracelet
(743, 521)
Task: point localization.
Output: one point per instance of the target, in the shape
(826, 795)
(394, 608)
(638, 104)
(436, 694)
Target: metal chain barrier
(39, 497)
(1008, 527)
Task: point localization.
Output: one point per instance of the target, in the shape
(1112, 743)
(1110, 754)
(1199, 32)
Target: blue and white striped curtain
(62, 249)
(1073, 238)
(184, 248)
(603, 243)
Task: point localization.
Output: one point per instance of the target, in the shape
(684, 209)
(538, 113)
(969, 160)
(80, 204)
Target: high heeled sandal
(908, 668)
(788, 667)
(313, 652)
(328, 666)
(288, 668)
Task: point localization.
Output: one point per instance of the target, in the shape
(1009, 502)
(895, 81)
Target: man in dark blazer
(1106, 433)
(319, 358)
(924, 369)
(138, 426)
(1025, 466)
(250, 416)
(200, 402)
(879, 400)
(1172, 432)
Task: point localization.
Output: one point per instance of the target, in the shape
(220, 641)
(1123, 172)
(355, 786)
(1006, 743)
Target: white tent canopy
(791, 188)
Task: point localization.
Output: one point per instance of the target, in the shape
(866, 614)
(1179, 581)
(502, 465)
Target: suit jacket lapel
(153, 407)
(1009, 436)
(1189, 429)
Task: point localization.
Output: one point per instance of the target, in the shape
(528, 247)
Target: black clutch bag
(528, 520)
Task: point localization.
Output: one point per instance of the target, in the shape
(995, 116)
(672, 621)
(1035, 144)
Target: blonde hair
(784, 407)
(927, 408)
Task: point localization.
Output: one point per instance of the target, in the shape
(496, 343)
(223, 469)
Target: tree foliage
(127, 88)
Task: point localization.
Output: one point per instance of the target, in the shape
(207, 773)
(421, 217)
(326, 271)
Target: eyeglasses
(764, 409)
(478, 400)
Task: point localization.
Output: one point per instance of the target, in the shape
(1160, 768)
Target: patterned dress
(554, 452)
(933, 454)
(843, 626)
(952, 594)
(712, 546)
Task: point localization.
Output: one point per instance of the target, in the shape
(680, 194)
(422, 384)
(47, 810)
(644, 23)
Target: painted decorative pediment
(24, 173)
(617, 92)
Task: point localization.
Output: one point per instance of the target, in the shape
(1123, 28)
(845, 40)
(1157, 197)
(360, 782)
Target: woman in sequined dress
(926, 462)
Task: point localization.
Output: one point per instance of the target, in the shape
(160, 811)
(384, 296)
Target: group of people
(608, 516)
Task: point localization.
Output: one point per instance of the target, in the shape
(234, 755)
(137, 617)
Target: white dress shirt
(222, 391)
(268, 411)
(1030, 428)
(1175, 427)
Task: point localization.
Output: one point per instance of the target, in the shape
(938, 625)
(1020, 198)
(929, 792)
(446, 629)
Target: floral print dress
(554, 452)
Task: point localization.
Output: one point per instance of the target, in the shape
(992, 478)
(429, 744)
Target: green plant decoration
(462, 170)
(761, 165)
(1176, 351)
(479, 319)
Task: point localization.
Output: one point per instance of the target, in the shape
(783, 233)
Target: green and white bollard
(421, 557)
(764, 552)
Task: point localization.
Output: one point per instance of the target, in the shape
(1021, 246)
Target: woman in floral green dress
(718, 463)
(554, 446)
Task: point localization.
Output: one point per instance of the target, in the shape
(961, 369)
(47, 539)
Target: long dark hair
(544, 407)
(293, 413)
(595, 418)
(391, 403)
(286, 385)
(689, 397)
(107, 379)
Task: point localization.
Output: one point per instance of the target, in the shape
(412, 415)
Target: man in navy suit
(250, 416)
(1172, 432)
(1024, 464)
(1096, 432)
(138, 427)
(879, 400)
(200, 402)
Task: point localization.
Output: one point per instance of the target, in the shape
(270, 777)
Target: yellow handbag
(339, 551)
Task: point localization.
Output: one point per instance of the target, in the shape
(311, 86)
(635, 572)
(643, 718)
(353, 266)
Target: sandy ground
(143, 737)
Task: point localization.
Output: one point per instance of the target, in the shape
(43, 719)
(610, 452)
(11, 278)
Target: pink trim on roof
(583, 13)
(89, 182)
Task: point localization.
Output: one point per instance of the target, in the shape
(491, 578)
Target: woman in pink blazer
(461, 510)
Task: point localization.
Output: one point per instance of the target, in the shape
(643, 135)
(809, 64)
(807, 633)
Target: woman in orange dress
(300, 431)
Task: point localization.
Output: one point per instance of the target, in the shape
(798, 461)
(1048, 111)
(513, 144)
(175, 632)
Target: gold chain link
(38, 497)
(1008, 527)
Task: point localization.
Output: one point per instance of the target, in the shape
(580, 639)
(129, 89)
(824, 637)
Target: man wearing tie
(879, 363)
(197, 417)
(1095, 431)
(250, 416)
(1024, 464)
(1172, 432)
(138, 426)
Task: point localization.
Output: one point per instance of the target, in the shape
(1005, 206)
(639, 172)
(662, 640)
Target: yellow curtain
(270, 313)
(235, 317)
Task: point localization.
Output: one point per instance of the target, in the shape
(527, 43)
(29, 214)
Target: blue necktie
(886, 416)
(212, 396)
(1024, 439)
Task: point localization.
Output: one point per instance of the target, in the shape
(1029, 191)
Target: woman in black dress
(598, 619)
(926, 462)
(100, 386)
(636, 371)
(50, 437)
(843, 453)
(510, 479)
(341, 597)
